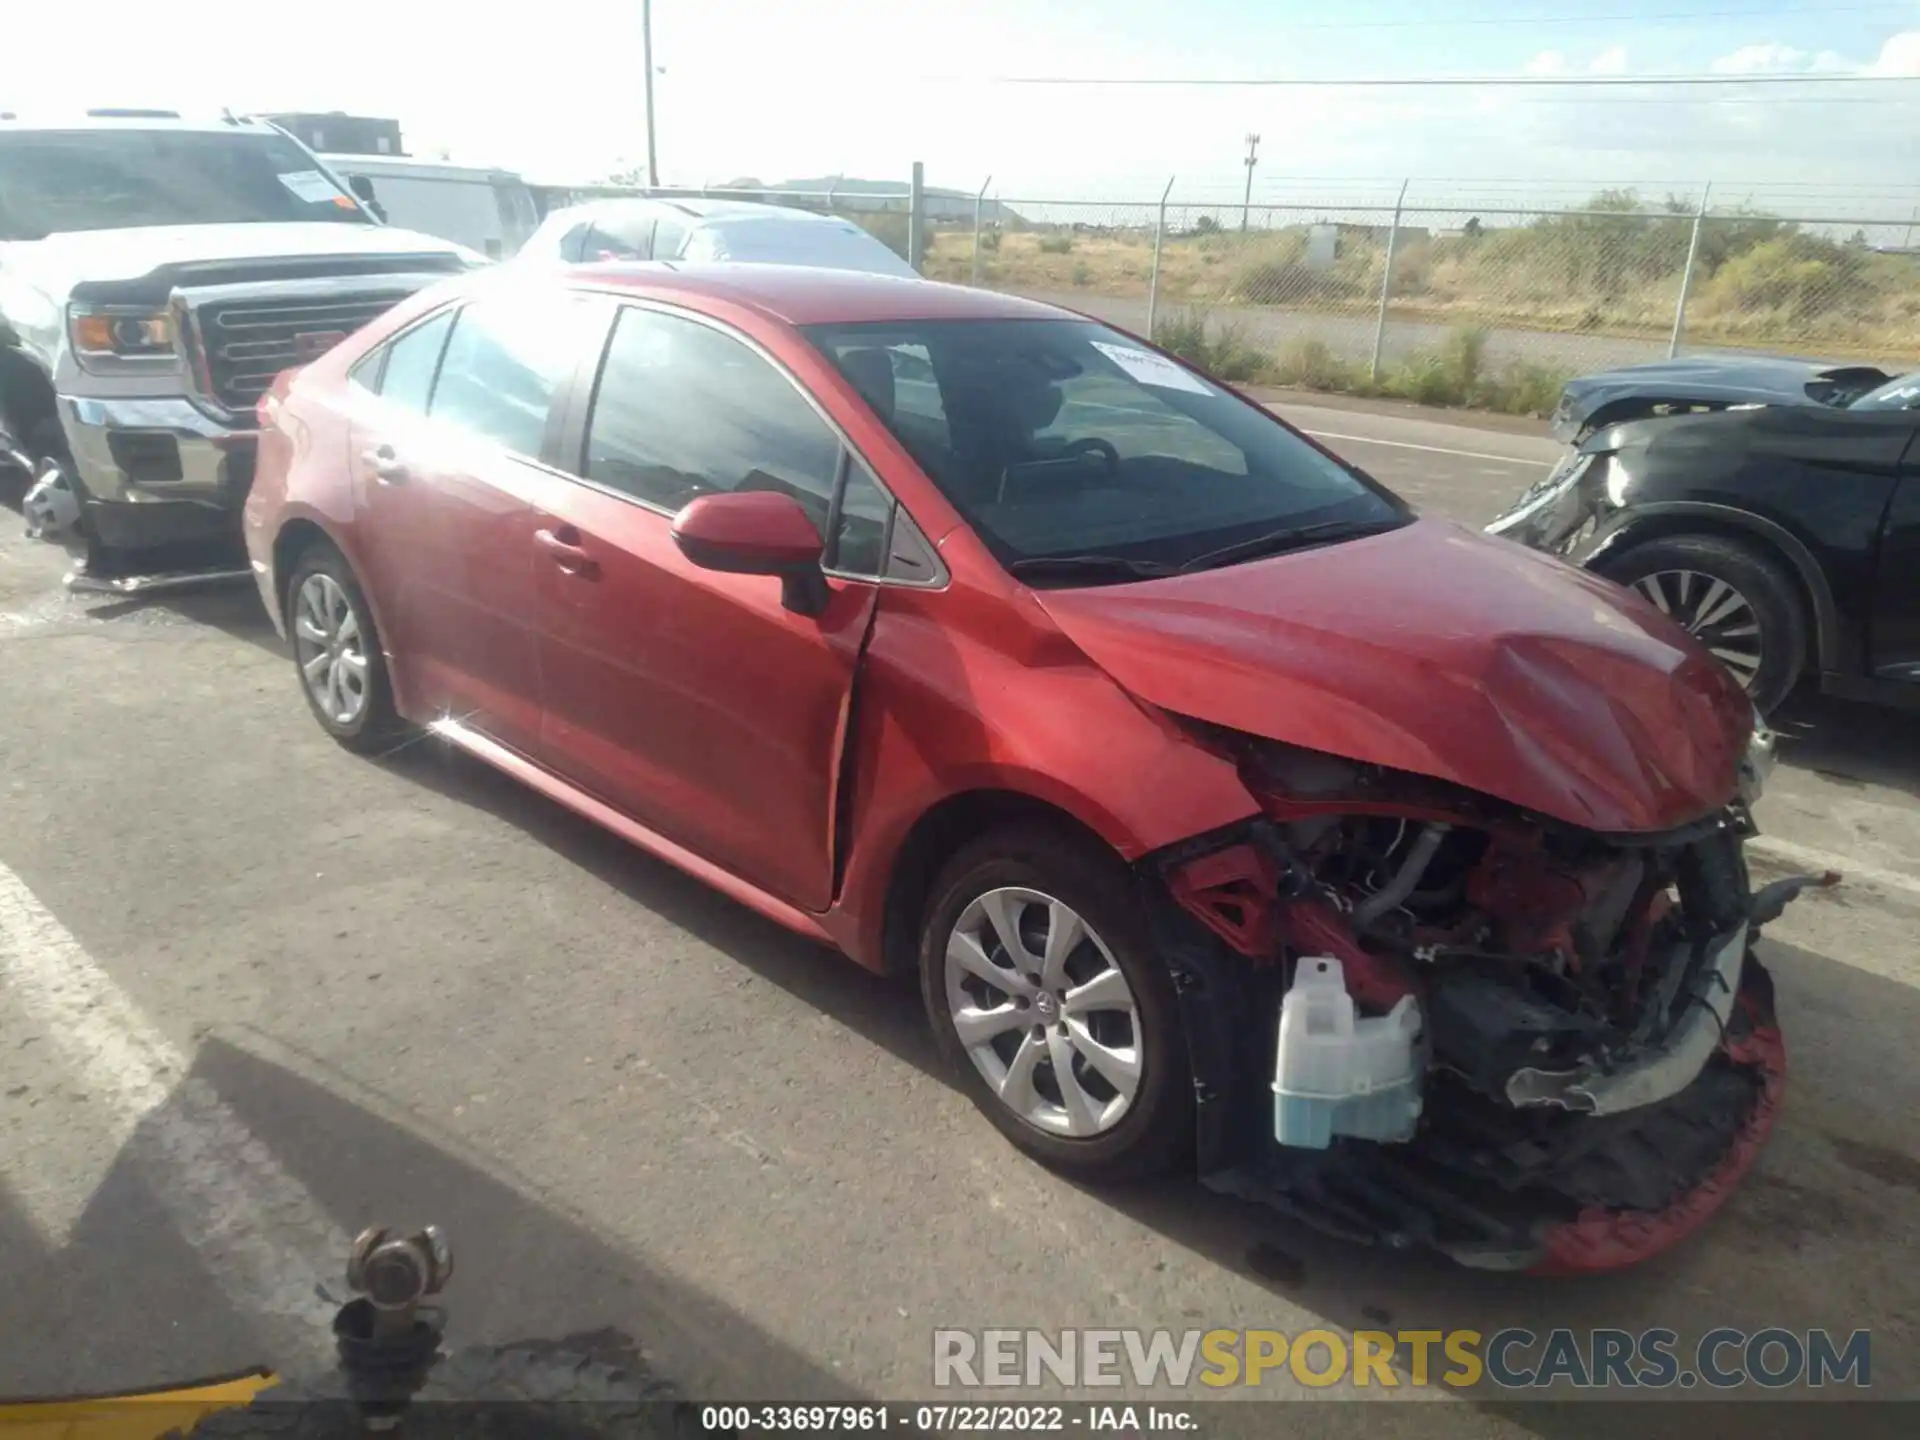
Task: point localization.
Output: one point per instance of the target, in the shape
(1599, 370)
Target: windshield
(769, 242)
(1900, 393)
(52, 181)
(1064, 440)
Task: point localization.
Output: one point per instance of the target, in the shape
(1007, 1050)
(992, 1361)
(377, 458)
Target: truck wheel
(1048, 998)
(1735, 600)
(336, 652)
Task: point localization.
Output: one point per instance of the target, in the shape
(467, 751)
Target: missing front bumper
(1546, 1189)
(1493, 1187)
(1661, 1072)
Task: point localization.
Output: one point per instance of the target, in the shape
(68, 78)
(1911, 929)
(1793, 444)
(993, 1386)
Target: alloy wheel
(1714, 613)
(330, 649)
(1044, 1012)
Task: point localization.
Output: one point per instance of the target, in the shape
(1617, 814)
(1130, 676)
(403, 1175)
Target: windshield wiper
(1276, 542)
(1073, 567)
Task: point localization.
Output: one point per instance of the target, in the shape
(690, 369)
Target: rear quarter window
(402, 371)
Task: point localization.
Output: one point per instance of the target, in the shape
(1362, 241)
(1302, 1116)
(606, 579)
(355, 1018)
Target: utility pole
(646, 46)
(1253, 158)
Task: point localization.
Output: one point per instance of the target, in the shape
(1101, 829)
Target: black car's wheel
(1048, 998)
(336, 650)
(1736, 601)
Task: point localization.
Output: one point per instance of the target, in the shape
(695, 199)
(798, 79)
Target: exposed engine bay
(1594, 1043)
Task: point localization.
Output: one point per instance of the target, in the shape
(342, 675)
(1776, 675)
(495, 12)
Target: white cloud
(1899, 56)
(1610, 61)
(1767, 59)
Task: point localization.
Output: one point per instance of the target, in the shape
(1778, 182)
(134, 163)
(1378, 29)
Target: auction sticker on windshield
(311, 186)
(1151, 369)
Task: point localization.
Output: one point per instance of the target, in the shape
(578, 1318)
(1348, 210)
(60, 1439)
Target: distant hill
(850, 194)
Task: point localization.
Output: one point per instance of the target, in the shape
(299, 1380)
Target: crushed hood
(1722, 379)
(1438, 650)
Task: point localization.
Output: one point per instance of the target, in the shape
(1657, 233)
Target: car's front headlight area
(117, 339)
(1567, 419)
(1757, 763)
(1548, 513)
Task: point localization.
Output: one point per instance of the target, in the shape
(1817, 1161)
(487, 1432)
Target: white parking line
(255, 1230)
(1813, 860)
(1430, 449)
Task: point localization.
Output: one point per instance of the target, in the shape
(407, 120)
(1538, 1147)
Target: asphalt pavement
(256, 993)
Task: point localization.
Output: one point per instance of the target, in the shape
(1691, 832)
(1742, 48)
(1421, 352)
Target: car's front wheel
(1734, 600)
(337, 651)
(1047, 996)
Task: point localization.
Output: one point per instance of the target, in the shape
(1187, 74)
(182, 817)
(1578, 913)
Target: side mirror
(757, 532)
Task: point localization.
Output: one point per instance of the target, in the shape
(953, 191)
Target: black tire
(1155, 1134)
(1761, 581)
(378, 727)
(516, 1392)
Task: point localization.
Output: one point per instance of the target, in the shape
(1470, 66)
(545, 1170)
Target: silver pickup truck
(156, 273)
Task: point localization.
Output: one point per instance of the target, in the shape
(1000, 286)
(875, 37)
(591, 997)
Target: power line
(1514, 20)
(1441, 81)
(1770, 101)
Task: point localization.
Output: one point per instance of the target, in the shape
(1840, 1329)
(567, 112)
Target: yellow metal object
(139, 1415)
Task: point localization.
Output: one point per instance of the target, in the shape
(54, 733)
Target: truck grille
(247, 343)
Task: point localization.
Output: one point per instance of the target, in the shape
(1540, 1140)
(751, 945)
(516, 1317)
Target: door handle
(565, 548)
(387, 467)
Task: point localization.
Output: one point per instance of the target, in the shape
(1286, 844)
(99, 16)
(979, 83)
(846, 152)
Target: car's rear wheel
(1047, 996)
(1734, 600)
(336, 650)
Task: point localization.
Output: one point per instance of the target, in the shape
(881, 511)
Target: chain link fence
(1488, 307)
(1494, 307)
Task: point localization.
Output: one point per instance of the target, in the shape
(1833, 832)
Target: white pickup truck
(156, 273)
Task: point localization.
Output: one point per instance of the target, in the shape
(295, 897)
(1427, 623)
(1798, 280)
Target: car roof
(809, 295)
(699, 208)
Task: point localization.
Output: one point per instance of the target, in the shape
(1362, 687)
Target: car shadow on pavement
(1850, 742)
(129, 1300)
(886, 1010)
(231, 607)
(1837, 1193)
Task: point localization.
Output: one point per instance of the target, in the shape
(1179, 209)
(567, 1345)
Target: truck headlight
(115, 333)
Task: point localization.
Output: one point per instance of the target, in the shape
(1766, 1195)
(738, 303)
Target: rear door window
(618, 239)
(668, 238)
(503, 364)
(574, 242)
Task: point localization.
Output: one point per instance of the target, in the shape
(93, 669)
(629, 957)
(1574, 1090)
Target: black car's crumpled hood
(1722, 379)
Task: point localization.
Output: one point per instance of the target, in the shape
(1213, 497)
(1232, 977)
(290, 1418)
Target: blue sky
(864, 87)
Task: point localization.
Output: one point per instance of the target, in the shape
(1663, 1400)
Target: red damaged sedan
(1232, 815)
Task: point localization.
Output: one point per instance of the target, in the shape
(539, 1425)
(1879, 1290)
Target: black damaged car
(1786, 537)
(1694, 383)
